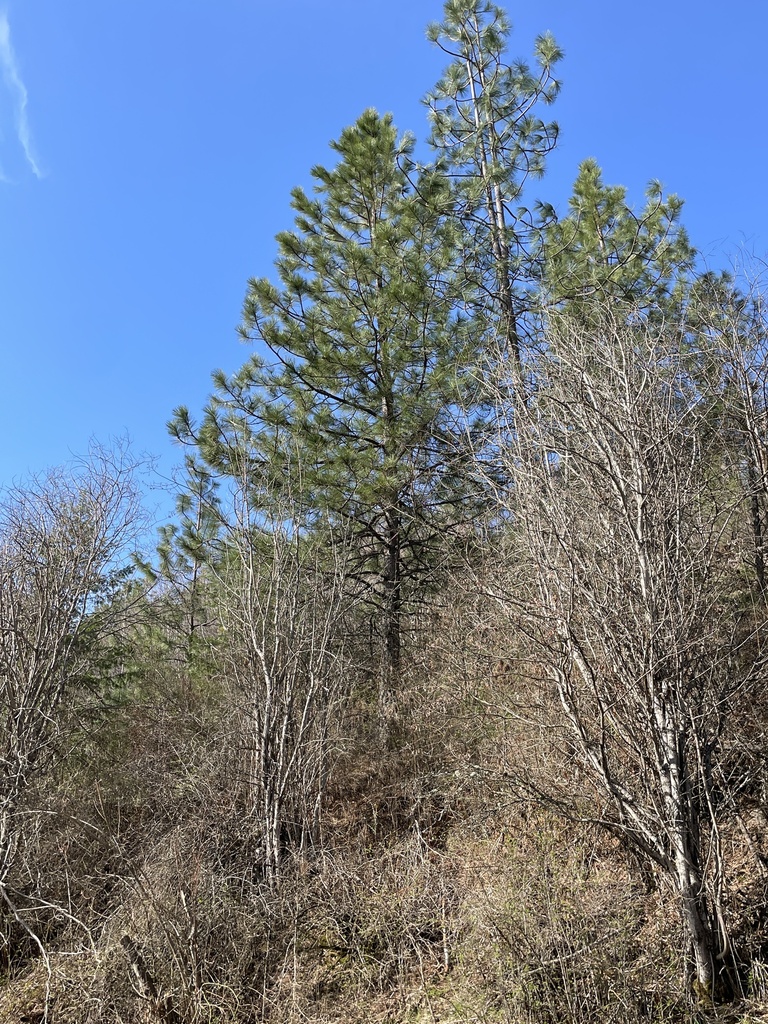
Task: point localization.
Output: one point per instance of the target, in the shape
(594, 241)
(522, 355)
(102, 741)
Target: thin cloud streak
(16, 86)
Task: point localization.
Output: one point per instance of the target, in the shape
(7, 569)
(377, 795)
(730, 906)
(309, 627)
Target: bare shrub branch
(628, 518)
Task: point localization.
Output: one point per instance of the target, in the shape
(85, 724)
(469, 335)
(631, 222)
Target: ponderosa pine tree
(353, 409)
(603, 252)
(732, 318)
(491, 142)
(184, 550)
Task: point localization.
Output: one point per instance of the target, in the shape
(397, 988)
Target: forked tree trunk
(624, 533)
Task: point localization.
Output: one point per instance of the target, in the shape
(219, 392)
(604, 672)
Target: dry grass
(439, 894)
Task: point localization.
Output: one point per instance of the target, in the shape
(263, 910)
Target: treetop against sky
(148, 150)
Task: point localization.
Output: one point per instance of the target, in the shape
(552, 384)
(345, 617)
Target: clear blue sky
(148, 147)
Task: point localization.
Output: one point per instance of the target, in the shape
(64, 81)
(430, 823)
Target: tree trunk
(694, 916)
(684, 860)
(391, 655)
(496, 216)
(757, 526)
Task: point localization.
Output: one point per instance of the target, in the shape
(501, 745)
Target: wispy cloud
(18, 92)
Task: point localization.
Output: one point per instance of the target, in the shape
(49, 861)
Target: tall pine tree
(491, 140)
(351, 401)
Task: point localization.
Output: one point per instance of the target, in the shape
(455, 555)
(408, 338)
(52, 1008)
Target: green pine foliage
(352, 406)
(491, 140)
(186, 552)
(603, 251)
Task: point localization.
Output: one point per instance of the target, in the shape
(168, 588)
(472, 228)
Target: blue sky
(148, 148)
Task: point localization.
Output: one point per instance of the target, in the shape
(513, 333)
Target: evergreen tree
(184, 550)
(491, 141)
(729, 319)
(603, 252)
(353, 415)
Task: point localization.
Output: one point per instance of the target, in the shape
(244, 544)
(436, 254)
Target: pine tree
(603, 252)
(353, 414)
(491, 141)
(184, 550)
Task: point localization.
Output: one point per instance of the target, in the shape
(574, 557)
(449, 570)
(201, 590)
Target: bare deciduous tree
(629, 583)
(64, 537)
(281, 594)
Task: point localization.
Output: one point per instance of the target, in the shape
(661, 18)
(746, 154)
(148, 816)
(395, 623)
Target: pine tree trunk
(496, 216)
(391, 655)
